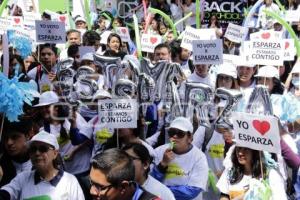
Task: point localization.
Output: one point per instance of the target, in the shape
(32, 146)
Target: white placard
(292, 16)
(118, 113)
(29, 19)
(257, 132)
(289, 50)
(4, 25)
(149, 42)
(62, 18)
(266, 35)
(208, 52)
(236, 33)
(17, 22)
(270, 52)
(50, 32)
(123, 33)
(191, 34)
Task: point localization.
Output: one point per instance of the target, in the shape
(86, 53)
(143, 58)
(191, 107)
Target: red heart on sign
(266, 35)
(62, 18)
(123, 30)
(153, 40)
(17, 20)
(261, 126)
(287, 44)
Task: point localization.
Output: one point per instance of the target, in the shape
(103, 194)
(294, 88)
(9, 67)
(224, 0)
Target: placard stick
(261, 164)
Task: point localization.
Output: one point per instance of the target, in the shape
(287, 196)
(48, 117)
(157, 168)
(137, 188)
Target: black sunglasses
(178, 133)
(41, 149)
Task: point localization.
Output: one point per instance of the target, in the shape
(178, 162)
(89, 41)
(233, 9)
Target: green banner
(53, 5)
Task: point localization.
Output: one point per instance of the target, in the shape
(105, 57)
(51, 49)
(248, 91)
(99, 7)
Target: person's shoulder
(161, 148)
(70, 178)
(31, 73)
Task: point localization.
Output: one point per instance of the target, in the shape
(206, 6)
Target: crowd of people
(60, 149)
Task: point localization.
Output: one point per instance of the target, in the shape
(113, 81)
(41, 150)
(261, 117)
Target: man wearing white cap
(48, 180)
(180, 165)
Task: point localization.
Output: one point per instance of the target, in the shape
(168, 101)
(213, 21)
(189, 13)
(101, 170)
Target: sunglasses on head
(178, 133)
(40, 148)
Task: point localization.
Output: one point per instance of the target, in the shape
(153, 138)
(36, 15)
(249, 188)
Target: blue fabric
(152, 116)
(297, 187)
(138, 192)
(184, 192)
(76, 137)
(158, 175)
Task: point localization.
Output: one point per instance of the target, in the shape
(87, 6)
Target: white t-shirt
(23, 187)
(97, 132)
(264, 21)
(177, 15)
(191, 20)
(195, 78)
(21, 167)
(81, 159)
(189, 169)
(157, 188)
(44, 83)
(234, 190)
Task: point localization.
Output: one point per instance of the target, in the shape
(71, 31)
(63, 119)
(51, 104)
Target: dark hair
(217, 21)
(114, 35)
(278, 87)
(116, 165)
(89, 38)
(49, 46)
(237, 170)
(163, 45)
(19, 60)
(119, 20)
(72, 31)
(23, 126)
(234, 83)
(142, 152)
(175, 48)
(73, 50)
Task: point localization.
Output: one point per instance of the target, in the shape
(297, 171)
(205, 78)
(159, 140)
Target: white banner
(257, 132)
(123, 33)
(208, 52)
(118, 113)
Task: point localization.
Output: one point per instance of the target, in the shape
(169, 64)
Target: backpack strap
(208, 135)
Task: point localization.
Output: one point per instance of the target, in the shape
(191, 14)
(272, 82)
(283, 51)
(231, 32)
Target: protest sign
(86, 49)
(123, 33)
(289, 50)
(292, 15)
(62, 18)
(149, 42)
(266, 35)
(266, 52)
(4, 25)
(236, 33)
(50, 32)
(257, 132)
(29, 20)
(208, 52)
(191, 34)
(118, 113)
(16, 22)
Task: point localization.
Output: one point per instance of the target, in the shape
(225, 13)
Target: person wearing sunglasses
(112, 177)
(180, 165)
(47, 180)
(142, 161)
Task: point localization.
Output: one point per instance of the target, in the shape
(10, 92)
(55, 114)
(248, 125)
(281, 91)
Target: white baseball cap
(268, 71)
(101, 93)
(47, 98)
(183, 124)
(228, 69)
(79, 18)
(45, 137)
